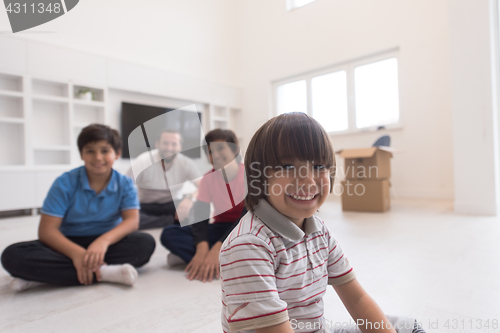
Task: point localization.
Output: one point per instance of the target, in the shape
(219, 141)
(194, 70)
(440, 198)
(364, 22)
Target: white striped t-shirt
(272, 271)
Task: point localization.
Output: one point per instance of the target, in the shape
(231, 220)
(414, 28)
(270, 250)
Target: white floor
(420, 260)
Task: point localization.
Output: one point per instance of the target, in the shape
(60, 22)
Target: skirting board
(471, 208)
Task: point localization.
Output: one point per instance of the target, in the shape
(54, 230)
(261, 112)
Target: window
(355, 96)
(292, 97)
(293, 4)
(376, 87)
(329, 100)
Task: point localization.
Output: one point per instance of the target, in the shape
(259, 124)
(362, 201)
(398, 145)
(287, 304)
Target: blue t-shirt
(84, 212)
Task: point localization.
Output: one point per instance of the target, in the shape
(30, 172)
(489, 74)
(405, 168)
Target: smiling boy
(87, 226)
(279, 260)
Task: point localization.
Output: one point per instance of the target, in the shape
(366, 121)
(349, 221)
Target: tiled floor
(418, 260)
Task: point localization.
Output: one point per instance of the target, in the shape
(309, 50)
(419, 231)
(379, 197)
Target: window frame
(348, 67)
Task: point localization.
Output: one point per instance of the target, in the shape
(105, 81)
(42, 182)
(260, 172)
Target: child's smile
(299, 190)
(99, 157)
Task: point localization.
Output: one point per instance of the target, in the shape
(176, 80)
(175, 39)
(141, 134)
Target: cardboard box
(366, 195)
(367, 163)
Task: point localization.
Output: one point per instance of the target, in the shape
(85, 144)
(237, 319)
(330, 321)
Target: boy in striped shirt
(276, 264)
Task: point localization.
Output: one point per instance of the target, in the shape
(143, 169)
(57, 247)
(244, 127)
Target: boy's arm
(96, 251)
(285, 327)
(212, 258)
(363, 308)
(49, 234)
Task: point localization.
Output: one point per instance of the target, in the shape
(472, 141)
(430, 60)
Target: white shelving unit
(226, 118)
(12, 122)
(40, 120)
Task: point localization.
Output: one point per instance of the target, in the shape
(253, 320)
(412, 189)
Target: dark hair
(282, 139)
(98, 132)
(224, 135)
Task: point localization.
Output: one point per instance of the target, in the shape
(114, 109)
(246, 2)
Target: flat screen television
(184, 121)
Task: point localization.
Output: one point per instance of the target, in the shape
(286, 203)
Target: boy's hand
(195, 265)
(94, 256)
(85, 275)
(210, 268)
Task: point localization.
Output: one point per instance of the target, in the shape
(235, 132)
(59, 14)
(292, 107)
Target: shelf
(52, 148)
(218, 118)
(88, 103)
(11, 106)
(11, 120)
(219, 112)
(53, 99)
(11, 144)
(220, 124)
(88, 114)
(11, 93)
(11, 83)
(97, 94)
(49, 88)
(52, 157)
(51, 127)
(50, 123)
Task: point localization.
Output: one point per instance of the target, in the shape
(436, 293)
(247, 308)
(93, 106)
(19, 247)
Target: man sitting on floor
(160, 184)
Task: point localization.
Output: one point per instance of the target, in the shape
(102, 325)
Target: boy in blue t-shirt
(88, 223)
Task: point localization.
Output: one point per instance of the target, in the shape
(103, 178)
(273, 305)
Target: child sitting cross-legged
(198, 245)
(87, 227)
(276, 264)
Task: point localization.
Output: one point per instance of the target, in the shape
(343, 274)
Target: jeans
(179, 240)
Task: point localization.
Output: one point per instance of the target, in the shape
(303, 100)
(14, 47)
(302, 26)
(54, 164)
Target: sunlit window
(292, 97)
(329, 101)
(354, 96)
(377, 94)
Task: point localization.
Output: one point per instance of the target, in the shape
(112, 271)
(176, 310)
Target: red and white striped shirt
(272, 271)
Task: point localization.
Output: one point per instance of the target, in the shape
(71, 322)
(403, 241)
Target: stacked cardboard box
(366, 187)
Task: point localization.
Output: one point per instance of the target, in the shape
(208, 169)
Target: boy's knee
(168, 235)
(145, 241)
(10, 257)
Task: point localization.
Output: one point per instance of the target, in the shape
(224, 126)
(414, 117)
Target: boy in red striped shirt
(276, 264)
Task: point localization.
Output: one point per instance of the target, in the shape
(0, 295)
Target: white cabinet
(40, 119)
(17, 190)
(226, 118)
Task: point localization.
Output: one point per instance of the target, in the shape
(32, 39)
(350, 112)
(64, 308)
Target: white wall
(277, 44)
(475, 113)
(197, 38)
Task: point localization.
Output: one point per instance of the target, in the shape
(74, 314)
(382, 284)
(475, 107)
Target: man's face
(169, 145)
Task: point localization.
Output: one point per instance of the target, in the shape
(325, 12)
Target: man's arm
(363, 308)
